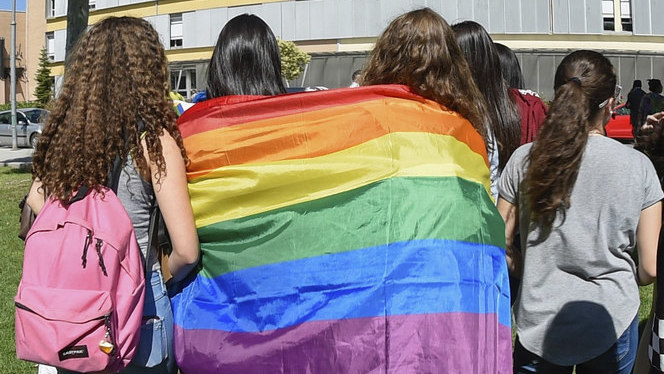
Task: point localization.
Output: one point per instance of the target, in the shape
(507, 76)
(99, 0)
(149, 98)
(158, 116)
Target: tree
(43, 79)
(293, 60)
(77, 23)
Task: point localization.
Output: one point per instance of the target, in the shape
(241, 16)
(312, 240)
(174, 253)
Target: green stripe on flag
(389, 211)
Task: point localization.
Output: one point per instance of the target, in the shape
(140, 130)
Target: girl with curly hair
(579, 297)
(418, 50)
(118, 77)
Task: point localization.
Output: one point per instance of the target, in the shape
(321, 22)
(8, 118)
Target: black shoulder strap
(153, 230)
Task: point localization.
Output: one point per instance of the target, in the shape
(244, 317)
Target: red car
(619, 127)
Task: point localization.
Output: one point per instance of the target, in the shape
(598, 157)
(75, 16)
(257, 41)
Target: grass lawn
(646, 302)
(14, 185)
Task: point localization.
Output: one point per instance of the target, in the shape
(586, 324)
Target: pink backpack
(79, 304)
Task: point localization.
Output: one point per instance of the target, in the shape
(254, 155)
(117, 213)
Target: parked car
(29, 124)
(619, 126)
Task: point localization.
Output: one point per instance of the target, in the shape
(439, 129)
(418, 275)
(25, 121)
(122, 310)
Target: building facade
(339, 33)
(21, 57)
(35, 26)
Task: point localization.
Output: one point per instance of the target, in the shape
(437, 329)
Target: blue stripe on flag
(414, 277)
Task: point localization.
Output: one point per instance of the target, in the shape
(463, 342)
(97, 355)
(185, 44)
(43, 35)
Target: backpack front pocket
(70, 329)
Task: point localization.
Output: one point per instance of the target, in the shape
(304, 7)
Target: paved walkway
(20, 158)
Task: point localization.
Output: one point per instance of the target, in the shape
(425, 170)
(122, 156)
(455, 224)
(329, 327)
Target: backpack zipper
(105, 317)
(21, 306)
(106, 345)
(88, 240)
(101, 259)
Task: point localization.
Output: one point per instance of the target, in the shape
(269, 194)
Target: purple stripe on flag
(422, 343)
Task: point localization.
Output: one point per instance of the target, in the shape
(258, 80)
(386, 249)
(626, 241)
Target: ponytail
(555, 157)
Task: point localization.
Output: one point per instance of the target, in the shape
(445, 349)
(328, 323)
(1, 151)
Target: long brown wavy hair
(418, 49)
(117, 74)
(584, 79)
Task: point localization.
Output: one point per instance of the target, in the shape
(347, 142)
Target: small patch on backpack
(77, 351)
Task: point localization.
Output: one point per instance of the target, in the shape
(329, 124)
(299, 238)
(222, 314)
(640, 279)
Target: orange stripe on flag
(324, 131)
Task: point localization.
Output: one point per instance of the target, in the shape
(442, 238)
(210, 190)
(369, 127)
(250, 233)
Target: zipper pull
(101, 259)
(88, 240)
(106, 345)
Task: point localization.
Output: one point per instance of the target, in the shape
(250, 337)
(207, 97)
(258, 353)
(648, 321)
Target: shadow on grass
(12, 171)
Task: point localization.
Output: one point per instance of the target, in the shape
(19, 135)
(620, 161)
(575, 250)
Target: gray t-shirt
(137, 197)
(579, 291)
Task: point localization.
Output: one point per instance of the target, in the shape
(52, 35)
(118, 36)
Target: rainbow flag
(342, 231)
(181, 106)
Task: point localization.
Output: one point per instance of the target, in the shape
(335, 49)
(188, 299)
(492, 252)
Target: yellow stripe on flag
(242, 190)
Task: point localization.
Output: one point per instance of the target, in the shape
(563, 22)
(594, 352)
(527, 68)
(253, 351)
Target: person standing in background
(532, 109)
(652, 102)
(633, 103)
(357, 75)
(504, 127)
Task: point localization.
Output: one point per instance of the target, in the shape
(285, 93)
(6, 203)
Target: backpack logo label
(77, 351)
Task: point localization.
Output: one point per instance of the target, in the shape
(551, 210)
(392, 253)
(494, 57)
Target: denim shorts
(155, 348)
(618, 359)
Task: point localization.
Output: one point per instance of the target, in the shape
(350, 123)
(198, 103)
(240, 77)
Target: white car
(29, 124)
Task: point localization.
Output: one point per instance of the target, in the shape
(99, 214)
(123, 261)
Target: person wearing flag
(349, 230)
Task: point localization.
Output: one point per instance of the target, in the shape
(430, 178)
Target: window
(608, 15)
(20, 117)
(51, 8)
(612, 20)
(183, 81)
(176, 30)
(50, 46)
(92, 4)
(36, 115)
(626, 15)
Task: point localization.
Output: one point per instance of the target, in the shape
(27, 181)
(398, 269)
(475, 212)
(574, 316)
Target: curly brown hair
(117, 74)
(584, 79)
(418, 49)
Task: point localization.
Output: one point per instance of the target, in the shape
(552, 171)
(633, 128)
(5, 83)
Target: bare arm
(509, 212)
(173, 199)
(647, 236)
(36, 196)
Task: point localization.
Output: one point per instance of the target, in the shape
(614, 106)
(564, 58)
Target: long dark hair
(245, 60)
(505, 123)
(418, 50)
(117, 74)
(510, 66)
(583, 81)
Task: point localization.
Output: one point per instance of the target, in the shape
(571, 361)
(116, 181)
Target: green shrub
(293, 60)
(21, 104)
